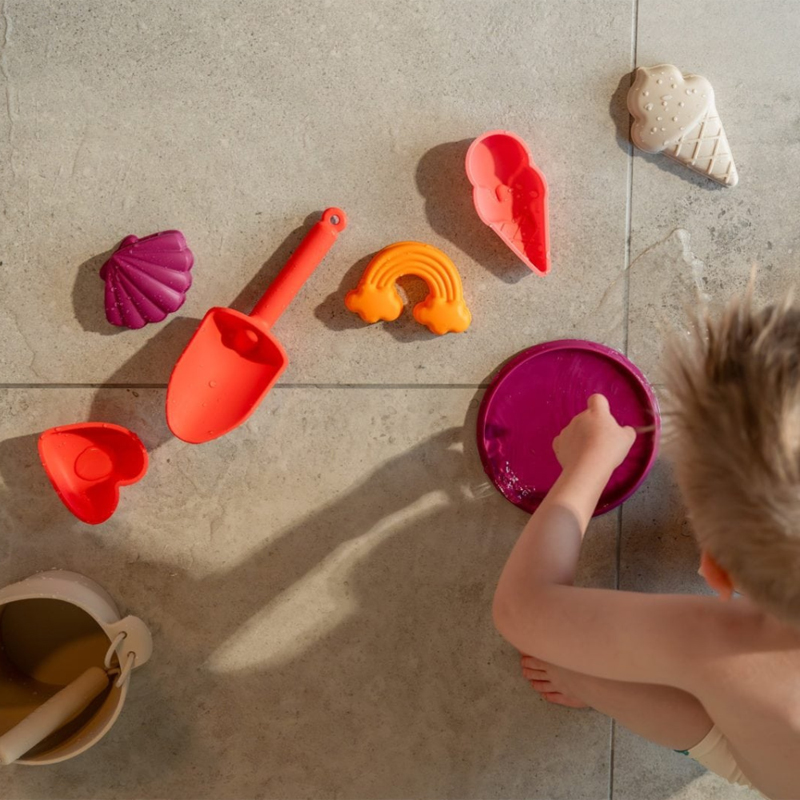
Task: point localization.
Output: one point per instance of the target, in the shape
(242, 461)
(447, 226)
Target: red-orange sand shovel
(234, 359)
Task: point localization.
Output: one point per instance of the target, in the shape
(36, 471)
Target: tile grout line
(274, 388)
(629, 184)
(611, 760)
(625, 341)
(618, 555)
(613, 736)
(83, 385)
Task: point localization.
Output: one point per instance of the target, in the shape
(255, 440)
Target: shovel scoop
(234, 359)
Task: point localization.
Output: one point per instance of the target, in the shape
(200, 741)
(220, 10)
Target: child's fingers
(598, 402)
(631, 433)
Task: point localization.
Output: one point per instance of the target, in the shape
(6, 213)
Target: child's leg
(662, 714)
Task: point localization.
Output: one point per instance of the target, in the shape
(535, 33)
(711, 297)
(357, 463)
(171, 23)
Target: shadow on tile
(124, 408)
(251, 294)
(156, 358)
(26, 492)
(88, 297)
(618, 109)
(372, 706)
(442, 181)
(332, 311)
(157, 355)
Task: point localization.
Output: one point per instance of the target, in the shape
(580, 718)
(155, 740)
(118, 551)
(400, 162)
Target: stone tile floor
(318, 582)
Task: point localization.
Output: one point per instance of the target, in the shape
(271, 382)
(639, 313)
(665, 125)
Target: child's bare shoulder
(738, 638)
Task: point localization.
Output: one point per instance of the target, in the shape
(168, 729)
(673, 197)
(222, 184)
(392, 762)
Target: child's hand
(594, 436)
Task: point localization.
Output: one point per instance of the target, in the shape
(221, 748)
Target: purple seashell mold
(147, 279)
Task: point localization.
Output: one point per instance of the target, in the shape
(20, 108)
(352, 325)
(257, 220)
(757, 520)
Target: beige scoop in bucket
(66, 659)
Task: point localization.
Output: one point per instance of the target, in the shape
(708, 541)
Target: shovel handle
(300, 265)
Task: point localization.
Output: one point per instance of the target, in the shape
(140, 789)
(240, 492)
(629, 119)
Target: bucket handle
(130, 661)
(132, 644)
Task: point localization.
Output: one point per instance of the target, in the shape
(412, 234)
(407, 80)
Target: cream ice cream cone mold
(676, 114)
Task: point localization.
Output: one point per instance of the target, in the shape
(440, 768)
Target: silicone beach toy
(88, 462)
(376, 296)
(534, 397)
(146, 279)
(234, 359)
(510, 195)
(676, 114)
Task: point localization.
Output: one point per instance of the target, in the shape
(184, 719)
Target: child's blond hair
(735, 441)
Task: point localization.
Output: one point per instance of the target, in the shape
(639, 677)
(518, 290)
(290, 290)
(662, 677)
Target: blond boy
(717, 677)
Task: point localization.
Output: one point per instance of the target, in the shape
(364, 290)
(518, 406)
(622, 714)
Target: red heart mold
(88, 462)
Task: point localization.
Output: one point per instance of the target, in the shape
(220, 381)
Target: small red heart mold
(88, 462)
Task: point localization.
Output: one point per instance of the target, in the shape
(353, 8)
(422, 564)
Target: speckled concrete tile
(319, 586)
(684, 225)
(236, 120)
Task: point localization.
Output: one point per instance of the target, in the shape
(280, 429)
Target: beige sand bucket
(66, 659)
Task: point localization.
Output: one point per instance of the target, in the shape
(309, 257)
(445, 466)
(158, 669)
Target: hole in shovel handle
(336, 218)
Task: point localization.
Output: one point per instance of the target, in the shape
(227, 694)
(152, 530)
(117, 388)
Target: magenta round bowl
(533, 398)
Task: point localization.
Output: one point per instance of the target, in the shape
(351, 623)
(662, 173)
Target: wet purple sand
(533, 398)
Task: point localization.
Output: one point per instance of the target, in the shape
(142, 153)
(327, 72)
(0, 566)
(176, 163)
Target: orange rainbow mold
(376, 297)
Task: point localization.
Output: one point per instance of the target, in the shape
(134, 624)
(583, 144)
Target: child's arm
(616, 635)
